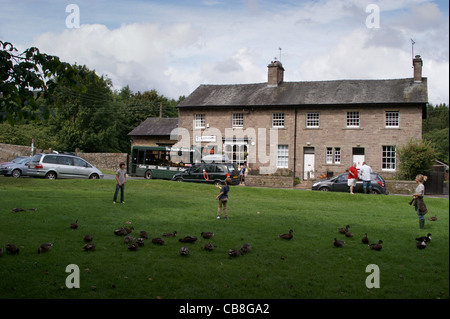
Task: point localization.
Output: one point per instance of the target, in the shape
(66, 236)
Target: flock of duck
(133, 243)
(421, 242)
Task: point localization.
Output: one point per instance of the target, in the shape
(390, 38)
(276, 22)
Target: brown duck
(158, 241)
(207, 235)
(208, 247)
(44, 247)
(74, 225)
(143, 234)
(87, 238)
(188, 239)
(376, 246)
(174, 234)
(287, 236)
(365, 240)
(338, 243)
(89, 247)
(343, 230)
(12, 249)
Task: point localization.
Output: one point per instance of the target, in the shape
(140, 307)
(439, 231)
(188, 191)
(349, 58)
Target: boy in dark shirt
(223, 198)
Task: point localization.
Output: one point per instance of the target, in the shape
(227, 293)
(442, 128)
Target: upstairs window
(352, 119)
(312, 120)
(199, 121)
(391, 119)
(278, 120)
(283, 156)
(237, 120)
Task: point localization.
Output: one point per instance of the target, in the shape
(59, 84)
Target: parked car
(339, 184)
(54, 166)
(209, 173)
(18, 167)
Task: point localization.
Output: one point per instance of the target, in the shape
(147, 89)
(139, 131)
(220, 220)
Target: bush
(415, 157)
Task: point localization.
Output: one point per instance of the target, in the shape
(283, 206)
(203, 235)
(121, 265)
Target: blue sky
(174, 46)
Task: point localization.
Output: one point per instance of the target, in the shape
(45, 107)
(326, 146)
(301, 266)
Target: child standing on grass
(223, 198)
(121, 178)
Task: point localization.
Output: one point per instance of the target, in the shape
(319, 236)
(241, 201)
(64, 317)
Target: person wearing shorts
(352, 177)
(223, 198)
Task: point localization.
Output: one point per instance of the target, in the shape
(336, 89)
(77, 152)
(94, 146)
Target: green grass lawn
(308, 266)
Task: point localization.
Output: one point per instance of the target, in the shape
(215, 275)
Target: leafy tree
(416, 157)
(26, 76)
(436, 130)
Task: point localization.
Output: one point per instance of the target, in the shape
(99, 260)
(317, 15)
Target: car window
(36, 158)
(342, 178)
(65, 160)
(24, 160)
(232, 169)
(79, 162)
(209, 168)
(197, 169)
(50, 159)
(221, 169)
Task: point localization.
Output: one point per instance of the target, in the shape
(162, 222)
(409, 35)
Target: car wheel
(324, 189)
(16, 173)
(375, 192)
(218, 183)
(94, 176)
(50, 175)
(179, 179)
(148, 175)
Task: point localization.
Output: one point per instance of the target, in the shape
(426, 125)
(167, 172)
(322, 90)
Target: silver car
(16, 168)
(54, 166)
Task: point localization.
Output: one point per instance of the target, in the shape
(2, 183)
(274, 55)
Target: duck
(365, 240)
(433, 219)
(338, 243)
(426, 238)
(44, 247)
(158, 241)
(343, 230)
(234, 253)
(208, 247)
(89, 246)
(287, 236)
(421, 245)
(188, 239)
(184, 251)
(376, 246)
(120, 231)
(349, 234)
(140, 241)
(207, 235)
(12, 249)
(143, 234)
(129, 230)
(128, 239)
(87, 238)
(74, 225)
(174, 234)
(245, 248)
(133, 247)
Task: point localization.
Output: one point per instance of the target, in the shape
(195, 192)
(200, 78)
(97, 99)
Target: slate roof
(155, 126)
(337, 92)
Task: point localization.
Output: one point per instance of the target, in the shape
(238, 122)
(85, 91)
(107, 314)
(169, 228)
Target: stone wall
(269, 181)
(103, 161)
(400, 187)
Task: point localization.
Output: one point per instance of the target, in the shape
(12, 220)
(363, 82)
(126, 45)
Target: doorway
(358, 156)
(308, 163)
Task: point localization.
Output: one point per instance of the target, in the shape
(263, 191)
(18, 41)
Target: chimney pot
(275, 73)
(417, 63)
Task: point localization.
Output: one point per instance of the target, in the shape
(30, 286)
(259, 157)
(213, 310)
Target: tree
(416, 157)
(436, 130)
(26, 76)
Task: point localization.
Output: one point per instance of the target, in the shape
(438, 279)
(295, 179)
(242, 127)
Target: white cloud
(181, 47)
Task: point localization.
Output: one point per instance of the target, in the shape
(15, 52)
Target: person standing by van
(366, 172)
(121, 178)
(223, 198)
(352, 177)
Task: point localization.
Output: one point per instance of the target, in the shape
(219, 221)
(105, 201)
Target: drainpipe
(295, 147)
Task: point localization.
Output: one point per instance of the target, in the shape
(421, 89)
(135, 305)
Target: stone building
(306, 129)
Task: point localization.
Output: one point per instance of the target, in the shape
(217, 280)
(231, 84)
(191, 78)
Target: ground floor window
(333, 155)
(283, 156)
(388, 158)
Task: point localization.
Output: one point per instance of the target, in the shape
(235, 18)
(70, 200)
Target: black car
(214, 173)
(339, 184)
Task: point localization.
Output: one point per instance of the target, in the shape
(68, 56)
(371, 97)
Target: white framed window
(388, 158)
(333, 155)
(392, 119)
(278, 120)
(312, 120)
(283, 156)
(353, 119)
(237, 120)
(199, 121)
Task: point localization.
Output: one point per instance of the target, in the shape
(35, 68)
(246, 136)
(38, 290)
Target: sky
(173, 46)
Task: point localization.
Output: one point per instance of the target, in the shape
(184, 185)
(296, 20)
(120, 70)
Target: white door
(308, 166)
(358, 159)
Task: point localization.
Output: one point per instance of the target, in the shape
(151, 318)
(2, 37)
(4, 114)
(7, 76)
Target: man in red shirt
(352, 177)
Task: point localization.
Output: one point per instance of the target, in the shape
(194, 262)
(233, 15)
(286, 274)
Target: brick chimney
(275, 73)
(417, 63)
